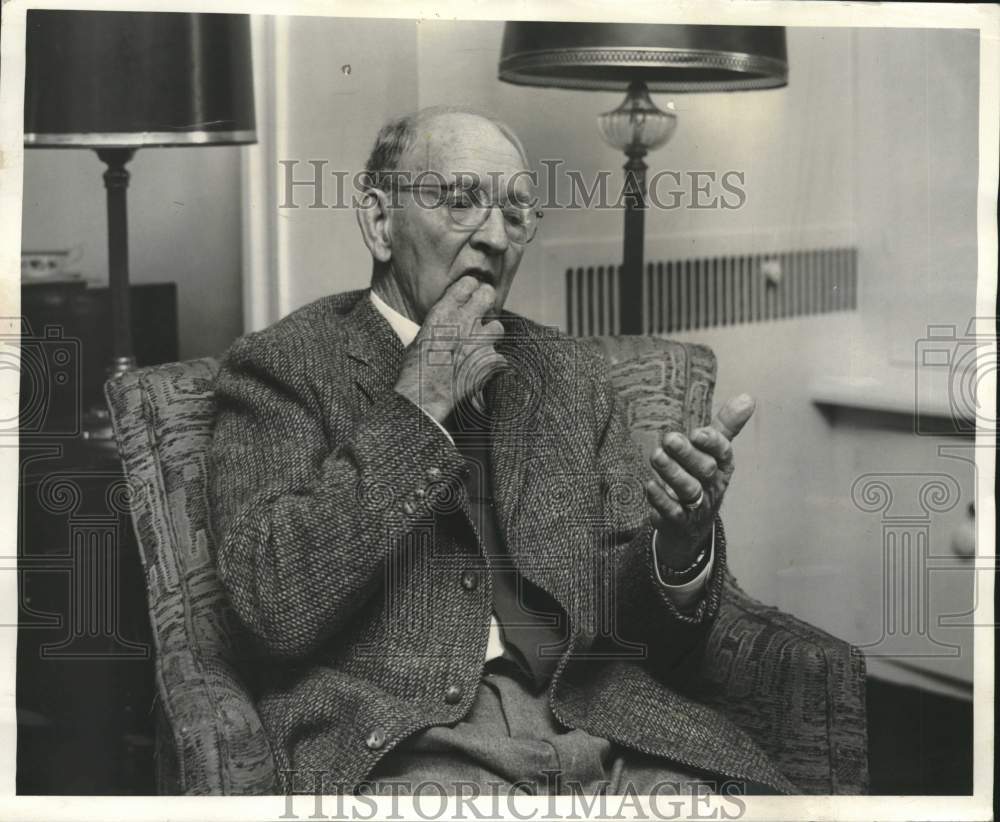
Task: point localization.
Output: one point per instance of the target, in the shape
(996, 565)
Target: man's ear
(374, 218)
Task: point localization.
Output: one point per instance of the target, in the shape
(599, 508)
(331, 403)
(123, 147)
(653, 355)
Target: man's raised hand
(692, 477)
(453, 356)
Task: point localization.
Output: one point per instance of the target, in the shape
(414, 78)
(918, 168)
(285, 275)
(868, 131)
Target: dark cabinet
(85, 685)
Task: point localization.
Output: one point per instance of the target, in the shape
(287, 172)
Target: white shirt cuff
(687, 593)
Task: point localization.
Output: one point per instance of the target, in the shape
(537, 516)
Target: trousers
(511, 742)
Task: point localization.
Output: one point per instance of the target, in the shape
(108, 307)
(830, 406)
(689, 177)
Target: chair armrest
(214, 745)
(209, 737)
(798, 691)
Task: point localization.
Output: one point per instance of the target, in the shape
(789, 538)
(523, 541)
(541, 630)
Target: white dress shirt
(683, 595)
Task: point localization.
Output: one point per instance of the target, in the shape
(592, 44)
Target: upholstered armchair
(797, 691)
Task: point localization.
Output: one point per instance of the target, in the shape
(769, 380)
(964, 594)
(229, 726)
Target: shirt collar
(404, 327)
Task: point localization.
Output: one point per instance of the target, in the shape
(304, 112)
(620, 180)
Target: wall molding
(265, 269)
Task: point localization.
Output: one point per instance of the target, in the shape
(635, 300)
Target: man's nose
(491, 236)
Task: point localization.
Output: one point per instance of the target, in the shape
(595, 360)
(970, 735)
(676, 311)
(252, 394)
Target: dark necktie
(529, 618)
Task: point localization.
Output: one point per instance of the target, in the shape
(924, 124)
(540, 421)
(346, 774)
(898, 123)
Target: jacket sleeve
(303, 523)
(645, 612)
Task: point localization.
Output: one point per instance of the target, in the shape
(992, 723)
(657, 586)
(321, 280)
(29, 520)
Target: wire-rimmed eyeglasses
(469, 208)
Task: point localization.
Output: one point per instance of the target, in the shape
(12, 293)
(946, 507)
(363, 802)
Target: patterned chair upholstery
(798, 691)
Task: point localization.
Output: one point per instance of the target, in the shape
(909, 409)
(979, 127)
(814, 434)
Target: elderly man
(432, 517)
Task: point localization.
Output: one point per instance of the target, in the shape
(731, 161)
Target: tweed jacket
(346, 545)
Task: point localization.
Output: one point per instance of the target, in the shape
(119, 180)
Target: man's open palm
(692, 477)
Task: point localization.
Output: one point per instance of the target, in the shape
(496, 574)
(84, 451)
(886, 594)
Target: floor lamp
(637, 59)
(115, 82)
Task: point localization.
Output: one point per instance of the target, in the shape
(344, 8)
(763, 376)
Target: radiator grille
(685, 294)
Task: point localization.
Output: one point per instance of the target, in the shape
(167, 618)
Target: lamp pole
(97, 421)
(630, 302)
(116, 180)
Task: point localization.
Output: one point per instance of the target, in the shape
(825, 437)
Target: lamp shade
(666, 57)
(102, 79)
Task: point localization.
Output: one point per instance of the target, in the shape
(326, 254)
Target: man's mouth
(482, 275)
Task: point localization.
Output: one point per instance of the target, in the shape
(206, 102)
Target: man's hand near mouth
(454, 356)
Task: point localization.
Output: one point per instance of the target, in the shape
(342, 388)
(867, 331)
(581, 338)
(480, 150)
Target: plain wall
(916, 98)
(344, 79)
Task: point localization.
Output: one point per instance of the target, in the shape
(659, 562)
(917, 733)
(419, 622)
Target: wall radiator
(686, 294)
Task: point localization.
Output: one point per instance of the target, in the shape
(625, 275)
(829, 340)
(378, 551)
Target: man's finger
(443, 314)
(459, 308)
(686, 487)
(695, 460)
(482, 299)
(486, 332)
(666, 506)
(712, 441)
(461, 290)
(493, 328)
(734, 415)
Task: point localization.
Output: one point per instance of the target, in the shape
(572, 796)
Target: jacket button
(433, 473)
(409, 507)
(453, 694)
(376, 739)
(420, 493)
(470, 580)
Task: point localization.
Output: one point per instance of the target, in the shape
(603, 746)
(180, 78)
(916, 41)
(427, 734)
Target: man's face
(429, 252)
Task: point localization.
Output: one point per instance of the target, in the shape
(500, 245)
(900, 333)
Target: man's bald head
(397, 138)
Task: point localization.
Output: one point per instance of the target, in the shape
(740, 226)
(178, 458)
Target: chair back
(662, 384)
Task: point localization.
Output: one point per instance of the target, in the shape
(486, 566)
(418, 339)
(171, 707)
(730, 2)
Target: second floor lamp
(637, 59)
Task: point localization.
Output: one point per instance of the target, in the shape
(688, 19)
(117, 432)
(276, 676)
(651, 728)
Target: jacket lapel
(508, 448)
(537, 492)
(373, 349)
(515, 402)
